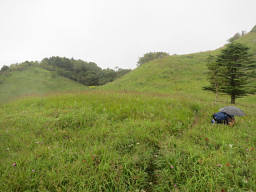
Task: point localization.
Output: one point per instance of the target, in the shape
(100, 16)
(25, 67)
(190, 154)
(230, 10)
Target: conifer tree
(237, 71)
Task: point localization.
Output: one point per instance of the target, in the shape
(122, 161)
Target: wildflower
(137, 143)
(230, 145)
(33, 170)
(219, 165)
(175, 185)
(172, 167)
(206, 139)
(14, 164)
(228, 164)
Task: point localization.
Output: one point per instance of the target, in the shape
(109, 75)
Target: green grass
(103, 141)
(34, 81)
(149, 131)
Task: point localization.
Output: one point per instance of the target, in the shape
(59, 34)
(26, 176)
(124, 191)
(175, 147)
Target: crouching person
(223, 118)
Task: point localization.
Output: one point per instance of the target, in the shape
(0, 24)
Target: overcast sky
(117, 32)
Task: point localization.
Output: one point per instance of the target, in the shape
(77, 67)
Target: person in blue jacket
(223, 118)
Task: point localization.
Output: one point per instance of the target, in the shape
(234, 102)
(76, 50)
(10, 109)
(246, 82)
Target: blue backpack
(221, 117)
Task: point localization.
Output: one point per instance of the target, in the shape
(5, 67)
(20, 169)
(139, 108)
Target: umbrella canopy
(232, 110)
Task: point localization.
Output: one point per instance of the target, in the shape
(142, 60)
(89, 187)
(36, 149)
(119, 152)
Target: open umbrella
(232, 110)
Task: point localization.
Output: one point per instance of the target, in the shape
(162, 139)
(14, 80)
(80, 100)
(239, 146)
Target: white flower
(230, 145)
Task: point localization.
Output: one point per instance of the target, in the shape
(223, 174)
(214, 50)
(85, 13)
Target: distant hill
(34, 81)
(184, 74)
(54, 74)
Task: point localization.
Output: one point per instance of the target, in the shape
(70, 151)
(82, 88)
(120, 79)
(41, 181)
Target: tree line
(87, 73)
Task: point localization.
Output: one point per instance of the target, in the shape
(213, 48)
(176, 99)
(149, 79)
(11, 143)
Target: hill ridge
(182, 73)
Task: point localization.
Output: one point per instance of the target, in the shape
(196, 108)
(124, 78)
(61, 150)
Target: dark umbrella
(232, 110)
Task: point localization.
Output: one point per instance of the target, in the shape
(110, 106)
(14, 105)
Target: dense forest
(87, 73)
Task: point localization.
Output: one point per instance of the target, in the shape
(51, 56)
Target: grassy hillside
(249, 40)
(179, 74)
(149, 131)
(34, 81)
(185, 73)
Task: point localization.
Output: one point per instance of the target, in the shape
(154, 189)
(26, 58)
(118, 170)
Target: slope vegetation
(172, 74)
(34, 81)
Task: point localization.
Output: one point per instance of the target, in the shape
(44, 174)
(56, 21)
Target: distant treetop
(4, 68)
(235, 37)
(253, 29)
(151, 56)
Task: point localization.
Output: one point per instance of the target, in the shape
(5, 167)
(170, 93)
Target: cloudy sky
(117, 32)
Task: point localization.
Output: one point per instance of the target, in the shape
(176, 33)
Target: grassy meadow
(110, 141)
(148, 131)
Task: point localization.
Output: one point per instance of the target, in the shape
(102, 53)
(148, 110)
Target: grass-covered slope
(174, 74)
(168, 75)
(249, 40)
(34, 81)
